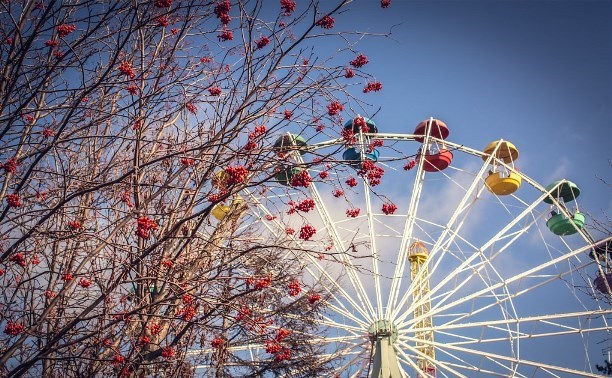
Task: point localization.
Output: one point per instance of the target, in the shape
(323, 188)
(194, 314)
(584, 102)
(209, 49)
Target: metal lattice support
(417, 255)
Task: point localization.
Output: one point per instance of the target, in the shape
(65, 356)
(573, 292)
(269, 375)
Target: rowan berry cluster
(287, 6)
(352, 213)
(222, 10)
(351, 181)
(262, 42)
(389, 208)
(145, 225)
(334, 108)
(301, 179)
(236, 174)
(307, 232)
(327, 22)
(214, 91)
(360, 61)
(314, 298)
(409, 165)
(65, 29)
(127, 69)
(374, 86)
(13, 328)
(294, 288)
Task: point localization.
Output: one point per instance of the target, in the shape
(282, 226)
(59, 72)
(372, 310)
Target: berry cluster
(372, 172)
(294, 288)
(214, 91)
(168, 352)
(118, 359)
(326, 22)
(281, 334)
(284, 355)
(304, 206)
(301, 179)
(14, 200)
(263, 283)
(323, 175)
(145, 225)
(191, 108)
(226, 35)
(289, 231)
(389, 208)
(132, 89)
(258, 132)
(375, 143)
(288, 114)
(10, 166)
(272, 347)
(385, 3)
(351, 181)
(243, 313)
(162, 21)
(360, 61)
(222, 11)
(314, 298)
(338, 193)
(74, 225)
(127, 69)
(217, 342)
(307, 231)
(236, 174)
(188, 162)
(262, 42)
(352, 213)
(334, 108)
(65, 29)
(144, 340)
(374, 86)
(409, 165)
(348, 73)
(287, 6)
(19, 259)
(361, 124)
(188, 312)
(349, 136)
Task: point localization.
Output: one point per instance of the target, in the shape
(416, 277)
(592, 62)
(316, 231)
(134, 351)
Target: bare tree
(124, 125)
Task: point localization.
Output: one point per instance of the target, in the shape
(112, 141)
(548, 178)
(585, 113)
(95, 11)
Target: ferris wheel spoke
(348, 366)
(406, 236)
(373, 247)
(328, 322)
(517, 277)
(517, 362)
(450, 231)
(479, 253)
(276, 228)
(437, 363)
(337, 290)
(338, 245)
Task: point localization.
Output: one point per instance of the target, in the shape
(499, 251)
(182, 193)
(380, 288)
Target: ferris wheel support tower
(417, 255)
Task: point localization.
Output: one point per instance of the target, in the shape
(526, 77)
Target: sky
(536, 73)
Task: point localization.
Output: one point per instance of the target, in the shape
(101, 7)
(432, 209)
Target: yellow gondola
(499, 183)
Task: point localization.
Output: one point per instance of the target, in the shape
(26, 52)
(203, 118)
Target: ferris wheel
(439, 260)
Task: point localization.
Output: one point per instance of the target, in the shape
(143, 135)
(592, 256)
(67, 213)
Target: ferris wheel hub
(383, 329)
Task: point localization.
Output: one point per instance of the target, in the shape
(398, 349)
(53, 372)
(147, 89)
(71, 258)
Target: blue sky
(537, 73)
